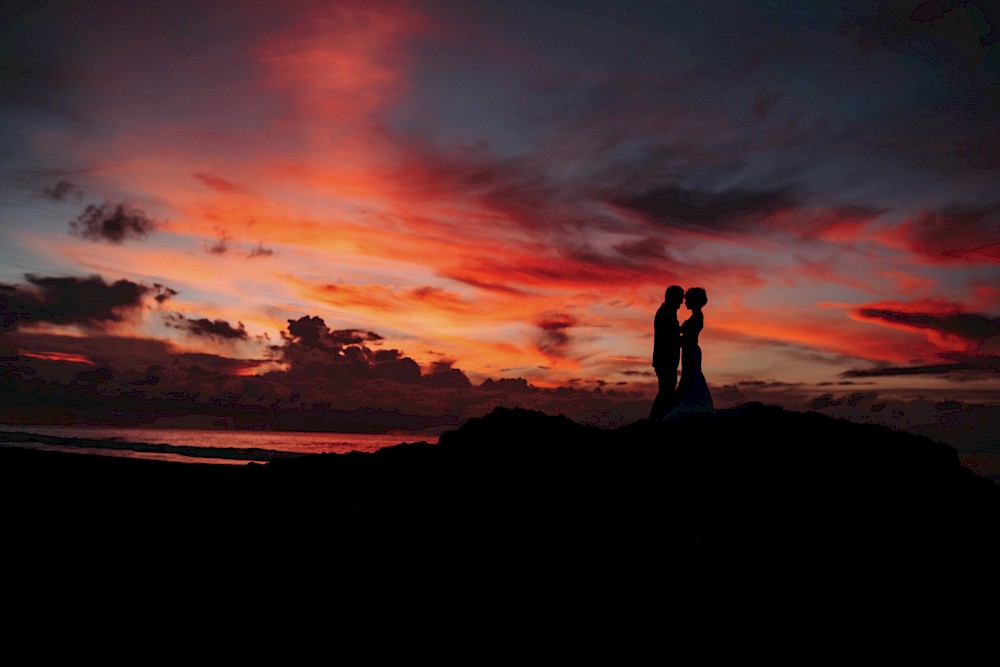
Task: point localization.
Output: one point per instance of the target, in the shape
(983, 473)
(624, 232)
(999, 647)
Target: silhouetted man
(666, 349)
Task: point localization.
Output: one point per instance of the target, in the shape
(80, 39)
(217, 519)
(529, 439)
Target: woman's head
(695, 298)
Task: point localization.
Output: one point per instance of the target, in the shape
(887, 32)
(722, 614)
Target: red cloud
(57, 356)
(955, 233)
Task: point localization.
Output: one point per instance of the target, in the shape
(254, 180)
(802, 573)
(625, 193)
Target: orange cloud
(57, 356)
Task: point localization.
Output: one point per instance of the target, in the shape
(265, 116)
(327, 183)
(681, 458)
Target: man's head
(674, 296)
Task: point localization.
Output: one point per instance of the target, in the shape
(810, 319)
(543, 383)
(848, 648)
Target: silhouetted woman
(692, 390)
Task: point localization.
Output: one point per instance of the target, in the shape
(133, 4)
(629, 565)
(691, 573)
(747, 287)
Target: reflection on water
(124, 453)
(199, 446)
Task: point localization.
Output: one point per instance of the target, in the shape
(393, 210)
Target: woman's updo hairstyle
(696, 297)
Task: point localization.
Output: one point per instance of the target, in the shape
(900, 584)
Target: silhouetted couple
(673, 344)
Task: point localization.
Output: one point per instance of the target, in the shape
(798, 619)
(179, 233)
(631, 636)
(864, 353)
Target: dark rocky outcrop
(516, 513)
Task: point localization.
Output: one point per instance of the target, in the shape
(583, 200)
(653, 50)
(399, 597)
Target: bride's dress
(692, 390)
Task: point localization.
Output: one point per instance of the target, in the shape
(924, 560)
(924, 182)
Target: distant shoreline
(432, 430)
(197, 445)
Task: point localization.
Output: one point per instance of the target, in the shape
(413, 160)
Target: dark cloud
(353, 336)
(957, 232)
(517, 188)
(342, 357)
(114, 223)
(515, 385)
(763, 103)
(481, 284)
(957, 37)
(985, 364)
(224, 243)
(219, 247)
(840, 383)
(443, 374)
(823, 401)
(306, 330)
(313, 332)
(315, 352)
(968, 326)
(34, 75)
(954, 131)
(768, 384)
(390, 364)
(259, 251)
(163, 292)
(704, 210)
(217, 182)
(643, 249)
(218, 329)
(62, 191)
(89, 301)
(95, 376)
(554, 335)
(980, 331)
(103, 379)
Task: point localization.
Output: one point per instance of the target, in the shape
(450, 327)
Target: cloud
(968, 342)
(554, 338)
(388, 298)
(221, 246)
(443, 374)
(163, 292)
(844, 223)
(714, 212)
(643, 249)
(342, 357)
(971, 327)
(390, 364)
(217, 183)
(114, 223)
(313, 332)
(954, 44)
(481, 284)
(957, 37)
(218, 329)
(983, 364)
(87, 301)
(763, 103)
(956, 232)
(224, 244)
(62, 191)
(514, 385)
(260, 251)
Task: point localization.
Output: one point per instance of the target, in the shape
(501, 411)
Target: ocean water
(197, 445)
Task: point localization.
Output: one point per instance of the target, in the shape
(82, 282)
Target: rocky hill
(516, 510)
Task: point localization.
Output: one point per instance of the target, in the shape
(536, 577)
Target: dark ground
(516, 519)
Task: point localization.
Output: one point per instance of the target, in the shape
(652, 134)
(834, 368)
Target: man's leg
(666, 384)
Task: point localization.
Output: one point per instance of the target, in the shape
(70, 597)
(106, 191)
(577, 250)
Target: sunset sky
(506, 188)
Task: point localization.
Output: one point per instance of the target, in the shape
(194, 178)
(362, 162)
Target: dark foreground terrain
(514, 518)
